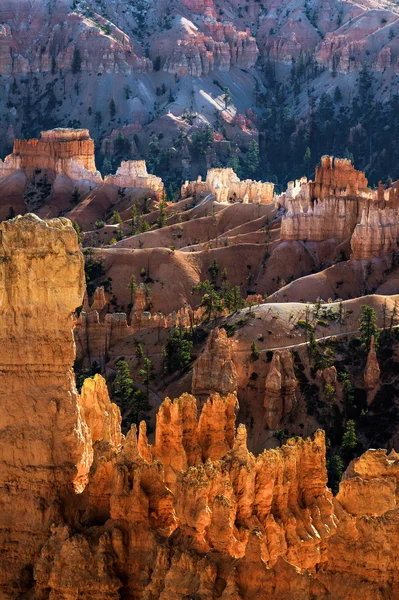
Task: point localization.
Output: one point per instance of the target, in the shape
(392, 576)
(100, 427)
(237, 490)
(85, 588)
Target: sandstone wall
(45, 448)
(193, 515)
(67, 152)
(376, 235)
(214, 370)
(133, 174)
(227, 187)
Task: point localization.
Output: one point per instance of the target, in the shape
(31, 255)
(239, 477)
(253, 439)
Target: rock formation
(66, 30)
(133, 174)
(227, 187)
(97, 330)
(220, 46)
(193, 515)
(329, 207)
(103, 418)
(372, 371)
(376, 235)
(280, 388)
(46, 448)
(214, 371)
(67, 152)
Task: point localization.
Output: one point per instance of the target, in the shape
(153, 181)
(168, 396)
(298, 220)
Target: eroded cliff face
(329, 207)
(214, 370)
(339, 205)
(280, 388)
(67, 152)
(226, 186)
(87, 513)
(45, 448)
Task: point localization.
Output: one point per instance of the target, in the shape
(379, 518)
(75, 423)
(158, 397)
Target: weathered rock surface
(226, 186)
(214, 370)
(193, 515)
(45, 443)
(280, 388)
(329, 207)
(376, 235)
(67, 152)
(372, 371)
(133, 174)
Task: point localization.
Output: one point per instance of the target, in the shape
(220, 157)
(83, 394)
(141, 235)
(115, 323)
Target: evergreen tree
(147, 375)
(251, 161)
(112, 108)
(128, 91)
(227, 97)
(139, 351)
(161, 221)
(280, 435)
(123, 384)
(132, 286)
(211, 300)
(116, 218)
(335, 468)
(76, 61)
(153, 154)
(178, 349)
(107, 166)
(368, 327)
(75, 195)
(213, 270)
(254, 351)
(11, 213)
(337, 95)
(349, 440)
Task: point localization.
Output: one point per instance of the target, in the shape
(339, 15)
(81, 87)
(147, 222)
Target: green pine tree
(368, 327)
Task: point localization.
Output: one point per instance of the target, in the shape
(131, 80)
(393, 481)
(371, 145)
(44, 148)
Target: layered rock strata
(133, 174)
(67, 152)
(89, 514)
(376, 235)
(45, 443)
(226, 186)
(329, 207)
(97, 330)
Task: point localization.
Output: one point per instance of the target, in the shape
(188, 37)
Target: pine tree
(161, 221)
(337, 95)
(251, 160)
(254, 351)
(76, 61)
(227, 97)
(213, 270)
(116, 218)
(178, 349)
(128, 91)
(139, 351)
(132, 286)
(147, 375)
(123, 384)
(335, 468)
(349, 440)
(368, 327)
(112, 108)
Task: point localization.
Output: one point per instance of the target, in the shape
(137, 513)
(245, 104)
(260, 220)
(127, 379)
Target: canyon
(108, 516)
(199, 300)
(158, 73)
